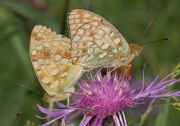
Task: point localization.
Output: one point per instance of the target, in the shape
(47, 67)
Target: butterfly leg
(128, 66)
(112, 70)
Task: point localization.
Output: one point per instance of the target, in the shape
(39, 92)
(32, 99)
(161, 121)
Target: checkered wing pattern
(50, 55)
(95, 41)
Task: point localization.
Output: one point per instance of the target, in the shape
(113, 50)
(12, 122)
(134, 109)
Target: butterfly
(97, 43)
(59, 61)
(50, 55)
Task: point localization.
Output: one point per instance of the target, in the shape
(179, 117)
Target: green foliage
(176, 105)
(176, 71)
(19, 89)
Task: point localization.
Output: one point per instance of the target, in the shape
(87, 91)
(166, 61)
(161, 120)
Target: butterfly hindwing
(50, 55)
(95, 41)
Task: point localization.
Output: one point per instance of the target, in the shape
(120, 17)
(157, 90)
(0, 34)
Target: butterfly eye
(123, 59)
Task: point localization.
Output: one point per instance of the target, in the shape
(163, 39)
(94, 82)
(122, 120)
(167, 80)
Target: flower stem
(146, 114)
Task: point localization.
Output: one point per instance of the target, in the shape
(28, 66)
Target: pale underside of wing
(50, 56)
(95, 41)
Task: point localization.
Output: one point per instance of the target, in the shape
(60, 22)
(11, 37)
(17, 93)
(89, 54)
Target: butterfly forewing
(50, 55)
(95, 42)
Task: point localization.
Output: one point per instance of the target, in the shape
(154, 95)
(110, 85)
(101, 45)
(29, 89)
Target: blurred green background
(19, 89)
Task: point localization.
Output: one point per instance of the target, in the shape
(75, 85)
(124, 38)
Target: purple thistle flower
(108, 96)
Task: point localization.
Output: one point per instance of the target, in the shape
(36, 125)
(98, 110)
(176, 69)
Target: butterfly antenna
(29, 88)
(156, 41)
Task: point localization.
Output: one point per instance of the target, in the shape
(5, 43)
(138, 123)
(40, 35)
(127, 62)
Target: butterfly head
(134, 51)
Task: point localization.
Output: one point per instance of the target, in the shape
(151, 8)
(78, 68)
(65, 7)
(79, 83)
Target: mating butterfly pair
(94, 42)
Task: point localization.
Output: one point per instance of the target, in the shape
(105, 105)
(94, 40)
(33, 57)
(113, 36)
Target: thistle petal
(85, 120)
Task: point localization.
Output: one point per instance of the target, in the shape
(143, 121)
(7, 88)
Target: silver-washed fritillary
(50, 55)
(97, 43)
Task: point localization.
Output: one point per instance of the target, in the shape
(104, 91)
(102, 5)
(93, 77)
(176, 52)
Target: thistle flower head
(108, 96)
(105, 96)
